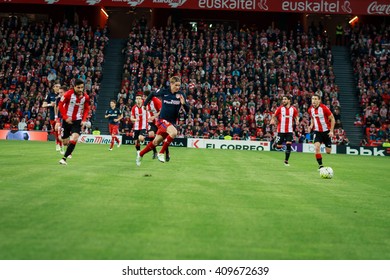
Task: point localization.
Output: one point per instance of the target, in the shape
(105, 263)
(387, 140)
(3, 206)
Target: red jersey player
(284, 116)
(74, 107)
(322, 124)
(139, 117)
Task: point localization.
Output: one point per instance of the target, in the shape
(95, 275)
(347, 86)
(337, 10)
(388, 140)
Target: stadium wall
(202, 143)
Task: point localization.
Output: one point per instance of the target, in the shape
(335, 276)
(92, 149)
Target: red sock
(166, 144)
(112, 142)
(147, 149)
(116, 139)
(319, 159)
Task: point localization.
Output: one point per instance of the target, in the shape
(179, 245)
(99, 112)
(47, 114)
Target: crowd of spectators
(33, 55)
(370, 50)
(234, 79)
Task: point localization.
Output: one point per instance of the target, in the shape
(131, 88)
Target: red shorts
(162, 126)
(113, 128)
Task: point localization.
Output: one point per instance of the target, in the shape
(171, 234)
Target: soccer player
(322, 124)
(139, 116)
(58, 120)
(284, 116)
(74, 107)
(114, 115)
(51, 103)
(154, 108)
(172, 101)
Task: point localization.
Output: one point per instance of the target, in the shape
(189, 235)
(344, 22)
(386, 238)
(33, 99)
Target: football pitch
(203, 204)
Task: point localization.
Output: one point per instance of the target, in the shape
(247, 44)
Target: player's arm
(132, 116)
(184, 104)
(296, 117)
(107, 115)
(274, 119)
(55, 110)
(65, 99)
(47, 102)
(311, 124)
(332, 124)
(150, 96)
(152, 118)
(87, 107)
(120, 116)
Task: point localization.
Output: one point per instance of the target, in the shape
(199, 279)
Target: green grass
(204, 204)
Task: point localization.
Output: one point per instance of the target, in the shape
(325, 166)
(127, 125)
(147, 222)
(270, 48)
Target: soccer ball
(326, 172)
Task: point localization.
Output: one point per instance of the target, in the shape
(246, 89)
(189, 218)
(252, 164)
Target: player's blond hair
(174, 79)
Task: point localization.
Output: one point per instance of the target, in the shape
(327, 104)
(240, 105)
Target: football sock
(116, 139)
(112, 142)
(167, 151)
(69, 150)
(288, 151)
(166, 144)
(147, 149)
(319, 159)
(151, 140)
(137, 146)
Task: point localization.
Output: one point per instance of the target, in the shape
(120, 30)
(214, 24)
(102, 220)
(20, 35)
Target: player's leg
(110, 129)
(279, 142)
(172, 132)
(136, 140)
(58, 130)
(317, 148)
(55, 133)
(151, 135)
(151, 145)
(66, 131)
(115, 132)
(167, 155)
(75, 128)
(140, 134)
(328, 143)
(288, 138)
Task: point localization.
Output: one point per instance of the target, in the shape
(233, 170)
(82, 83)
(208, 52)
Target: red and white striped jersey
(72, 106)
(320, 117)
(286, 118)
(141, 115)
(154, 107)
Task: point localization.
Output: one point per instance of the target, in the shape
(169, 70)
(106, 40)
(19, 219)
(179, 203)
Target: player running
(114, 116)
(74, 107)
(154, 108)
(172, 101)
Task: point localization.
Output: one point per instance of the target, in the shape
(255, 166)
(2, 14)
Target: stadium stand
(370, 51)
(35, 54)
(234, 79)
